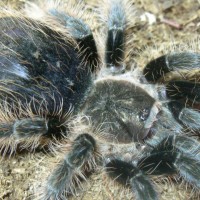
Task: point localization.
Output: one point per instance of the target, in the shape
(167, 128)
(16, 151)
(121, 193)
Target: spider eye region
(144, 114)
(122, 109)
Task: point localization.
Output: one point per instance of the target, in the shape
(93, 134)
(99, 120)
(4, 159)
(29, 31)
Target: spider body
(48, 70)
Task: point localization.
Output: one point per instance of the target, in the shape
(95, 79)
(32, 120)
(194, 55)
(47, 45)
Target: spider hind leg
(128, 174)
(70, 171)
(82, 34)
(30, 133)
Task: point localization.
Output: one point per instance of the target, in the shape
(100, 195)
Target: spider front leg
(70, 171)
(181, 93)
(176, 90)
(158, 67)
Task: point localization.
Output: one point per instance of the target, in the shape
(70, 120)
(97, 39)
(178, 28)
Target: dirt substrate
(173, 20)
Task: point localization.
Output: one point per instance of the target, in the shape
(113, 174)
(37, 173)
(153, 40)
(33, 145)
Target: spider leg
(82, 34)
(115, 37)
(128, 174)
(70, 170)
(178, 90)
(174, 154)
(183, 89)
(155, 69)
(186, 116)
(28, 133)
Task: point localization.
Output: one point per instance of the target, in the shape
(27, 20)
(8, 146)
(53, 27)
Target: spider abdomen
(41, 64)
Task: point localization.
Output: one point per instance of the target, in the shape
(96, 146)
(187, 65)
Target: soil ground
(176, 20)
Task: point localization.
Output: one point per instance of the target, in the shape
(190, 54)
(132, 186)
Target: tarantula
(58, 94)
